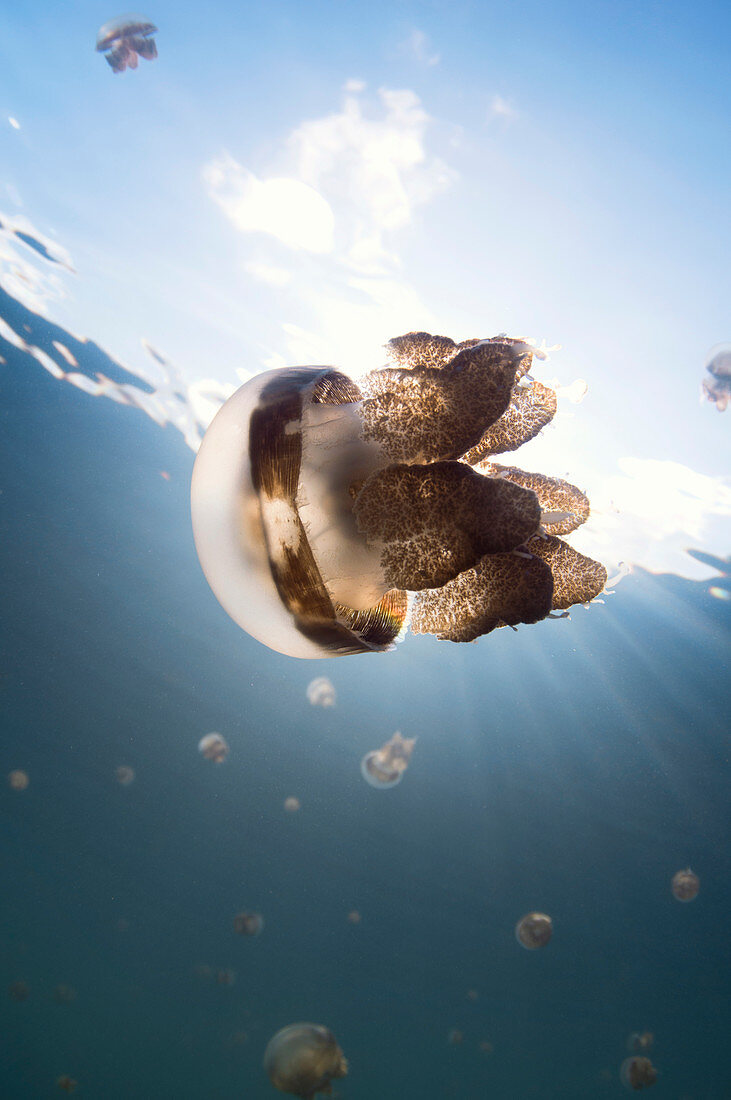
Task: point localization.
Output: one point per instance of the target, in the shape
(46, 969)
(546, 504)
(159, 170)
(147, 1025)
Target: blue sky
(556, 171)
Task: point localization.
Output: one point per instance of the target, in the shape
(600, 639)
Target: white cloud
(268, 273)
(417, 44)
(501, 108)
(289, 209)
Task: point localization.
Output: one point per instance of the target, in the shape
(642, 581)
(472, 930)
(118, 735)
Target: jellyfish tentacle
(434, 521)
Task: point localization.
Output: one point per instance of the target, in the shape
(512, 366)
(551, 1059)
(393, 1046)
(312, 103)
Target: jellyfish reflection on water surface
(317, 504)
(124, 39)
(302, 1059)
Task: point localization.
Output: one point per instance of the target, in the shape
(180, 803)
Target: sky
(292, 183)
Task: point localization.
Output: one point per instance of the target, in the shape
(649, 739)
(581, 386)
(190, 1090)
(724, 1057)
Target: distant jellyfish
(248, 923)
(213, 747)
(303, 1059)
(640, 1042)
(319, 503)
(717, 388)
(354, 917)
(18, 780)
(637, 1073)
(19, 990)
(385, 767)
(125, 775)
(68, 1084)
(124, 39)
(64, 994)
(685, 885)
(472, 994)
(321, 692)
(203, 972)
(534, 930)
(455, 1037)
(292, 804)
(485, 1046)
(225, 976)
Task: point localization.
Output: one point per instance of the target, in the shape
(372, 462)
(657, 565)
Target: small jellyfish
(354, 916)
(18, 780)
(19, 990)
(203, 972)
(213, 747)
(303, 1059)
(225, 976)
(64, 994)
(248, 923)
(318, 503)
(292, 804)
(640, 1042)
(637, 1073)
(125, 775)
(534, 930)
(68, 1084)
(321, 692)
(486, 1047)
(385, 767)
(472, 994)
(455, 1037)
(717, 388)
(685, 885)
(124, 39)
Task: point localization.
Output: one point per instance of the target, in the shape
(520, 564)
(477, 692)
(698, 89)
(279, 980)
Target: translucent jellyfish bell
(317, 504)
(303, 1059)
(534, 930)
(385, 767)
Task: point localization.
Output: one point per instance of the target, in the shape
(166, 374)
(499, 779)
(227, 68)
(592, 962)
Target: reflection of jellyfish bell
(685, 885)
(637, 1073)
(303, 1059)
(534, 930)
(318, 503)
(385, 767)
(213, 747)
(126, 38)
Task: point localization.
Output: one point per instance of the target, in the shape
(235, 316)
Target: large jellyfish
(318, 504)
(124, 39)
(303, 1059)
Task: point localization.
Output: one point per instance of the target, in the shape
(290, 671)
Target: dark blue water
(571, 767)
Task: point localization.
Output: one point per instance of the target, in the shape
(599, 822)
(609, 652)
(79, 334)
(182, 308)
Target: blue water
(570, 767)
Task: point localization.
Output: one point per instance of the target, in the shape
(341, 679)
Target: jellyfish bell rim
(245, 532)
(123, 26)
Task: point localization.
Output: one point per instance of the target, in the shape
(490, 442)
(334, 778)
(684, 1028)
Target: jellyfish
(68, 1084)
(19, 990)
(248, 923)
(385, 767)
(454, 1037)
(637, 1073)
(640, 1042)
(213, 747)
(717, 388)
(125, 775)
(321, 692)
(318, 504)
(126, 38)
(225, 976)
(534, 930)
(486, 1047)
(292, 804)
(302, 1059)
(64, 994)
(18, 780)
(354, 917)
(685, 885)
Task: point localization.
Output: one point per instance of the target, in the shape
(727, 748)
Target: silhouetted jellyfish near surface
(248, 923)
(124, 39)
(385, 767)
(685, 885)
(213, 747)
(637, 1073)
(534, 930)
(318, 503)
(303, 1059)
(717, 388)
